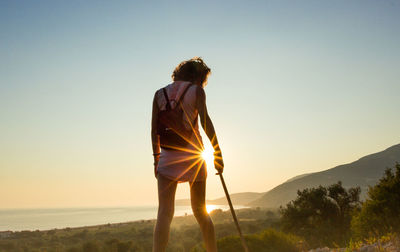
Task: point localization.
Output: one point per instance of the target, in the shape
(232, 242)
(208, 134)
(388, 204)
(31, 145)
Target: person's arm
(155, 138)
(208, 127)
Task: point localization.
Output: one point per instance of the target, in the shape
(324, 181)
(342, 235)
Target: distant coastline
(60, 218)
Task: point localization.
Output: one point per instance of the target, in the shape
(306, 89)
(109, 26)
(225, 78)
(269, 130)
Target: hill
(364, 172)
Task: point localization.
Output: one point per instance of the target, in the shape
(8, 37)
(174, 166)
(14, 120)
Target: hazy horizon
(296, 87)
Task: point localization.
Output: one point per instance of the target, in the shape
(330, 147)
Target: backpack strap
(184, 92)
(168, 106)
(167, 99)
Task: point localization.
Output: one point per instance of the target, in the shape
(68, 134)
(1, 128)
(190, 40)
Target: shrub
(322, 215)
(380, 214)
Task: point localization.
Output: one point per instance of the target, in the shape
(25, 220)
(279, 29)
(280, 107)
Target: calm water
(44, 219)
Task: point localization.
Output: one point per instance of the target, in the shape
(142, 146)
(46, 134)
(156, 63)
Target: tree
(380, 214)
(322, 215)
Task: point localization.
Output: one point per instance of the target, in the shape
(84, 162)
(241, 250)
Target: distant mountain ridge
(364, 172)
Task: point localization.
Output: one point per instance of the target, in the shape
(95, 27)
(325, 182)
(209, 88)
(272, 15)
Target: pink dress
(188, 165)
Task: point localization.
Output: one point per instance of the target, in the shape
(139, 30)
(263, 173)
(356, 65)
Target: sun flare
(211, 208)
(208, 156)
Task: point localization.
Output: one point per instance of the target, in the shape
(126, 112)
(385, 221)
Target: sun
(208, 155)
(211, 208)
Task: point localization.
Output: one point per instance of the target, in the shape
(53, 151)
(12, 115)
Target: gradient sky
(296, 87)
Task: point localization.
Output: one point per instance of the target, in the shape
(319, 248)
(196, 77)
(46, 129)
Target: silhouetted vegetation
(322, 215)
(380, 214)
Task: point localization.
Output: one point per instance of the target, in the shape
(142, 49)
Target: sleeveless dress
(188, 165)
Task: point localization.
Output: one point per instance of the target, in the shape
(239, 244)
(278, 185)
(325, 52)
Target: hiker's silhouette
(177, 148)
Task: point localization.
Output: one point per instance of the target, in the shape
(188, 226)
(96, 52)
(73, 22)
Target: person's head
(193, 70)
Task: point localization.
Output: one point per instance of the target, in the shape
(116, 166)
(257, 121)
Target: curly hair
(192, 70)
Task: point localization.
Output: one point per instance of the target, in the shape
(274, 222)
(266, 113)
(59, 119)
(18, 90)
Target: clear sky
(296, 87)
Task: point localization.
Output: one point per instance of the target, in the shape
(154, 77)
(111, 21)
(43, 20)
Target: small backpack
(170, 127)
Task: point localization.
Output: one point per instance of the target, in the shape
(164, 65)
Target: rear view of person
(177, 148)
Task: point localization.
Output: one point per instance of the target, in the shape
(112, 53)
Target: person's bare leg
(166, 201)
(198, 200)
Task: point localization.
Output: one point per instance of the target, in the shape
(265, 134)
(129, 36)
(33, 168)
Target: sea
(52, 218)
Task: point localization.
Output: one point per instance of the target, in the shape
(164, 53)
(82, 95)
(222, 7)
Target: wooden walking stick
(246, 249)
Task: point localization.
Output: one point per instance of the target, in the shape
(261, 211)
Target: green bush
(322, 215)
(380, 214)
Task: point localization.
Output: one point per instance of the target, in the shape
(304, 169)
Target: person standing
(177, 149)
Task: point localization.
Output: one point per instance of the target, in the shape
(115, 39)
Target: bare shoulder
(156, 99)
(200, 98)
(158, 91)
(200, 92)
(157, 94)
